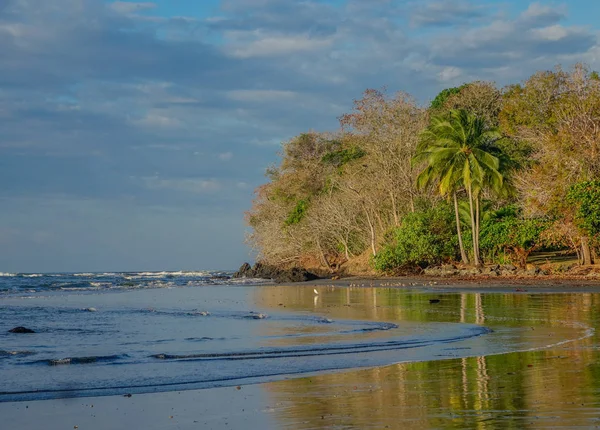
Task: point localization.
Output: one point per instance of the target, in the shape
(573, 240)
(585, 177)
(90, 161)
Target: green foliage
(585, 197)
(439, 100)
(424, 238)
(343, 156)
(594, 76)
(507, 233)
(298, 213)
(459, 150)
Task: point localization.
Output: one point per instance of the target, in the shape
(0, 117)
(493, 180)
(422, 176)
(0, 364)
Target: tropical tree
(460, 152)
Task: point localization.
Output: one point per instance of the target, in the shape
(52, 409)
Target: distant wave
(18, 283)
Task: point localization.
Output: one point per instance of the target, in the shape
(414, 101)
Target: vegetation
(481, 175)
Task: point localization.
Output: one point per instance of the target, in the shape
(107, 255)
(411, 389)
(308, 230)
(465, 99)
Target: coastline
(538, 284)
(398, 395)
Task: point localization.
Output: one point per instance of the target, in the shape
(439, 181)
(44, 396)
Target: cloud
(445, 13)
(127, 105)
(190, 185)
(531, 40)
(260, 95)
(129, 7)
(538, 14)
(225, 156)
(258, 45)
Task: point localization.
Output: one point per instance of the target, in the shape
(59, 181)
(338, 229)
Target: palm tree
(460, 153)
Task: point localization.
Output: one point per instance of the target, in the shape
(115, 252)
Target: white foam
(3, 274)
(180, 273)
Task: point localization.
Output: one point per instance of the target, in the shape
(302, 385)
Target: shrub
(506, 232)
(424, 238)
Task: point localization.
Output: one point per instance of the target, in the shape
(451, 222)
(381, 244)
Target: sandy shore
(218, 408)
(542, 284)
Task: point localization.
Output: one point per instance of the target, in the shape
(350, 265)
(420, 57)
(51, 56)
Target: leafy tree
(507, 232)
(440, 100)
(585, 198)
(458, 150)
(558, 114)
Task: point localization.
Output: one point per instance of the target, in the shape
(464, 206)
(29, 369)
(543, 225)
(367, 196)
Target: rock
(21, 330)
(258, 316)
(532, 272)
(243, 271)
(448, 267)
(509, 267)
(493, 273)
(450, 272)
(432, 271)
(264, 271)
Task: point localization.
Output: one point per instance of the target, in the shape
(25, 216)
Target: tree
(508, 232)
(585, 200)
(558, 114)
(458, 149)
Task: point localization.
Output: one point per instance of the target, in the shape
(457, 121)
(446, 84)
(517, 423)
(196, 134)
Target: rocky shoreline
(264, 271)
(458, 272)
(511, 271)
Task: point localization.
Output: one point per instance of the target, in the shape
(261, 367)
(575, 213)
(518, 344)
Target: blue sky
(132, 134)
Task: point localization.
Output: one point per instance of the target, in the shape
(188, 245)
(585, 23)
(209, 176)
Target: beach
(531, 363)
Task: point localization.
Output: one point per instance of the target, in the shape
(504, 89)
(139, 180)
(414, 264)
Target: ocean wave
(7, 275)
(80, 360)
(6, 354)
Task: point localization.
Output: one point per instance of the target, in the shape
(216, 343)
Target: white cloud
(226, 156)
(553, 33)
(260, 95)
(190, 185)
(449, 74)
(274, 45)
(125, 7)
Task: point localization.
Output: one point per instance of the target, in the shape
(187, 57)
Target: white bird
(316, 292)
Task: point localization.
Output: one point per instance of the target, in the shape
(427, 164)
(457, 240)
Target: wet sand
(550, 387)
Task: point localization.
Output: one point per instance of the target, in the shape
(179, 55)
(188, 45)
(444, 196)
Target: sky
(132, 134)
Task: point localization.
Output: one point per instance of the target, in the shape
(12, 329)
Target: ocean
(99, 334)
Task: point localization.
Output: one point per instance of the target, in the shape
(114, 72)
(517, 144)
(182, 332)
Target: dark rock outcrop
(21, 330)
(264, 271)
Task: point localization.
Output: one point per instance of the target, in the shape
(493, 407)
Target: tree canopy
(481, 174)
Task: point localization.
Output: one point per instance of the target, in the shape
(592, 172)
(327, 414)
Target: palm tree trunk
(463, 254)
(585, 251)
(473, 233)
(477, 219)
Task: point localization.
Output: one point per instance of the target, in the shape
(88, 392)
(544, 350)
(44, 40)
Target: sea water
(124, 333)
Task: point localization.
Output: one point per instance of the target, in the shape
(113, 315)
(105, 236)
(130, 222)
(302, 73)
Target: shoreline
(545, 283)
(279, 404)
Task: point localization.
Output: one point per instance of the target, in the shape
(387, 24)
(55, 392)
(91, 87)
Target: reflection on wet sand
(555, 387)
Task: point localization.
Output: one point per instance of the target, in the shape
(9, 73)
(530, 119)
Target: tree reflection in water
(555, 387)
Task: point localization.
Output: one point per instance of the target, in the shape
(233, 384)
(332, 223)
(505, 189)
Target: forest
(480, 175)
